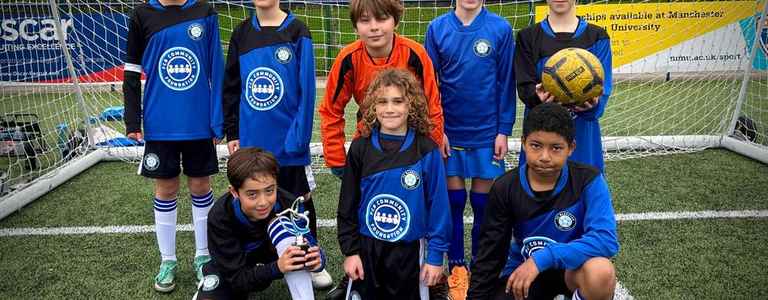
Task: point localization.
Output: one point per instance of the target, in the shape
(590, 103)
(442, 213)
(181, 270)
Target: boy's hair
(550, 117)
(413, 92)
(249, 162)
(379, 9)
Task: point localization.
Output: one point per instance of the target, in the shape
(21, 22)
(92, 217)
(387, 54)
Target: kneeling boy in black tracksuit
(250, 247)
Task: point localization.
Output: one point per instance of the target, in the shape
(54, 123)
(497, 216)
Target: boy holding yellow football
(534, 45)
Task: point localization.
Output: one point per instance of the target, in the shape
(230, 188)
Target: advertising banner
(673, 37)
(30, 50)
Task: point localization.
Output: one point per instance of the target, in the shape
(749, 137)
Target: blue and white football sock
(200, 207)
(165, 228)
(577, 295)
(299, 282)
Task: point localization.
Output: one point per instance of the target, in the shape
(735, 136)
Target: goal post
(747, 133)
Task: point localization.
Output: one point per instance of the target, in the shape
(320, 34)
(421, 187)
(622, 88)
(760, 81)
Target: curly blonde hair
(413, 93)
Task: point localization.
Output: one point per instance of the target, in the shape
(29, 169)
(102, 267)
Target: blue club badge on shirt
(179, 68)
(482, 47)
(387, 217)
(195, 31)
(565, 221)
(410, 179)
(283, 55)
(264, 89)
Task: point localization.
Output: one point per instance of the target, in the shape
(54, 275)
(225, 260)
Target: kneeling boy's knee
(599, 273)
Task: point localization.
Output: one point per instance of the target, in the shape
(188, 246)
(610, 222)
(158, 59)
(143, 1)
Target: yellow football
(573, 76)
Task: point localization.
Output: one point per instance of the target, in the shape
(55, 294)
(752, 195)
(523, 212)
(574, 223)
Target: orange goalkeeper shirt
(353, 70)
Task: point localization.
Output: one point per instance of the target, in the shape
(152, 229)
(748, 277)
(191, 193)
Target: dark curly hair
(550, 117)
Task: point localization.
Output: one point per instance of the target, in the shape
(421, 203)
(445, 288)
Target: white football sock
(165, 228)
(299, 282)
(200, 207)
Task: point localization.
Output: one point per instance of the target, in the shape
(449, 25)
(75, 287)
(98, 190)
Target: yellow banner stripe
(639, 30)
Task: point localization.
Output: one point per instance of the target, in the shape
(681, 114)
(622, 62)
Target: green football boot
(198, 264)
(165, 281)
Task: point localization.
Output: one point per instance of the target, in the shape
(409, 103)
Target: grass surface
(677, 259)
(700, 259)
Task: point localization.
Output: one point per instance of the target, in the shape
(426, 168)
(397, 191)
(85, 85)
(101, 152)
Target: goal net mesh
(679, 70)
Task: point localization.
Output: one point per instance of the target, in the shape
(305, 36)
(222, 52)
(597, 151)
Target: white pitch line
(85, 230)
(80, 230)
(705, 214)
(621, 292)
(681, 215)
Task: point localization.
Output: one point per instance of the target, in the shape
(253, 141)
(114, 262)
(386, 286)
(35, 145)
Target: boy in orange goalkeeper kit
(377, 48)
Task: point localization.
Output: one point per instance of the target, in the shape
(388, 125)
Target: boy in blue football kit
(251, 246)
(535, 44)
(269, 97)
(558, 215)
(393, 216)
(472, 51)
(176, 44)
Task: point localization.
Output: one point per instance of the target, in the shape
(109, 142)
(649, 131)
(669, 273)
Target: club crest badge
(210, 282)
(565, 221)
(264, 89)
(354, 295)
(283, 55)
(151, 162)
(178, 68)
(195, 31)
(482, 47)
(410, 179)
(387, 217)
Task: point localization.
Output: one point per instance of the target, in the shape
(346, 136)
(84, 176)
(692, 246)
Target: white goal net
(688, 75)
